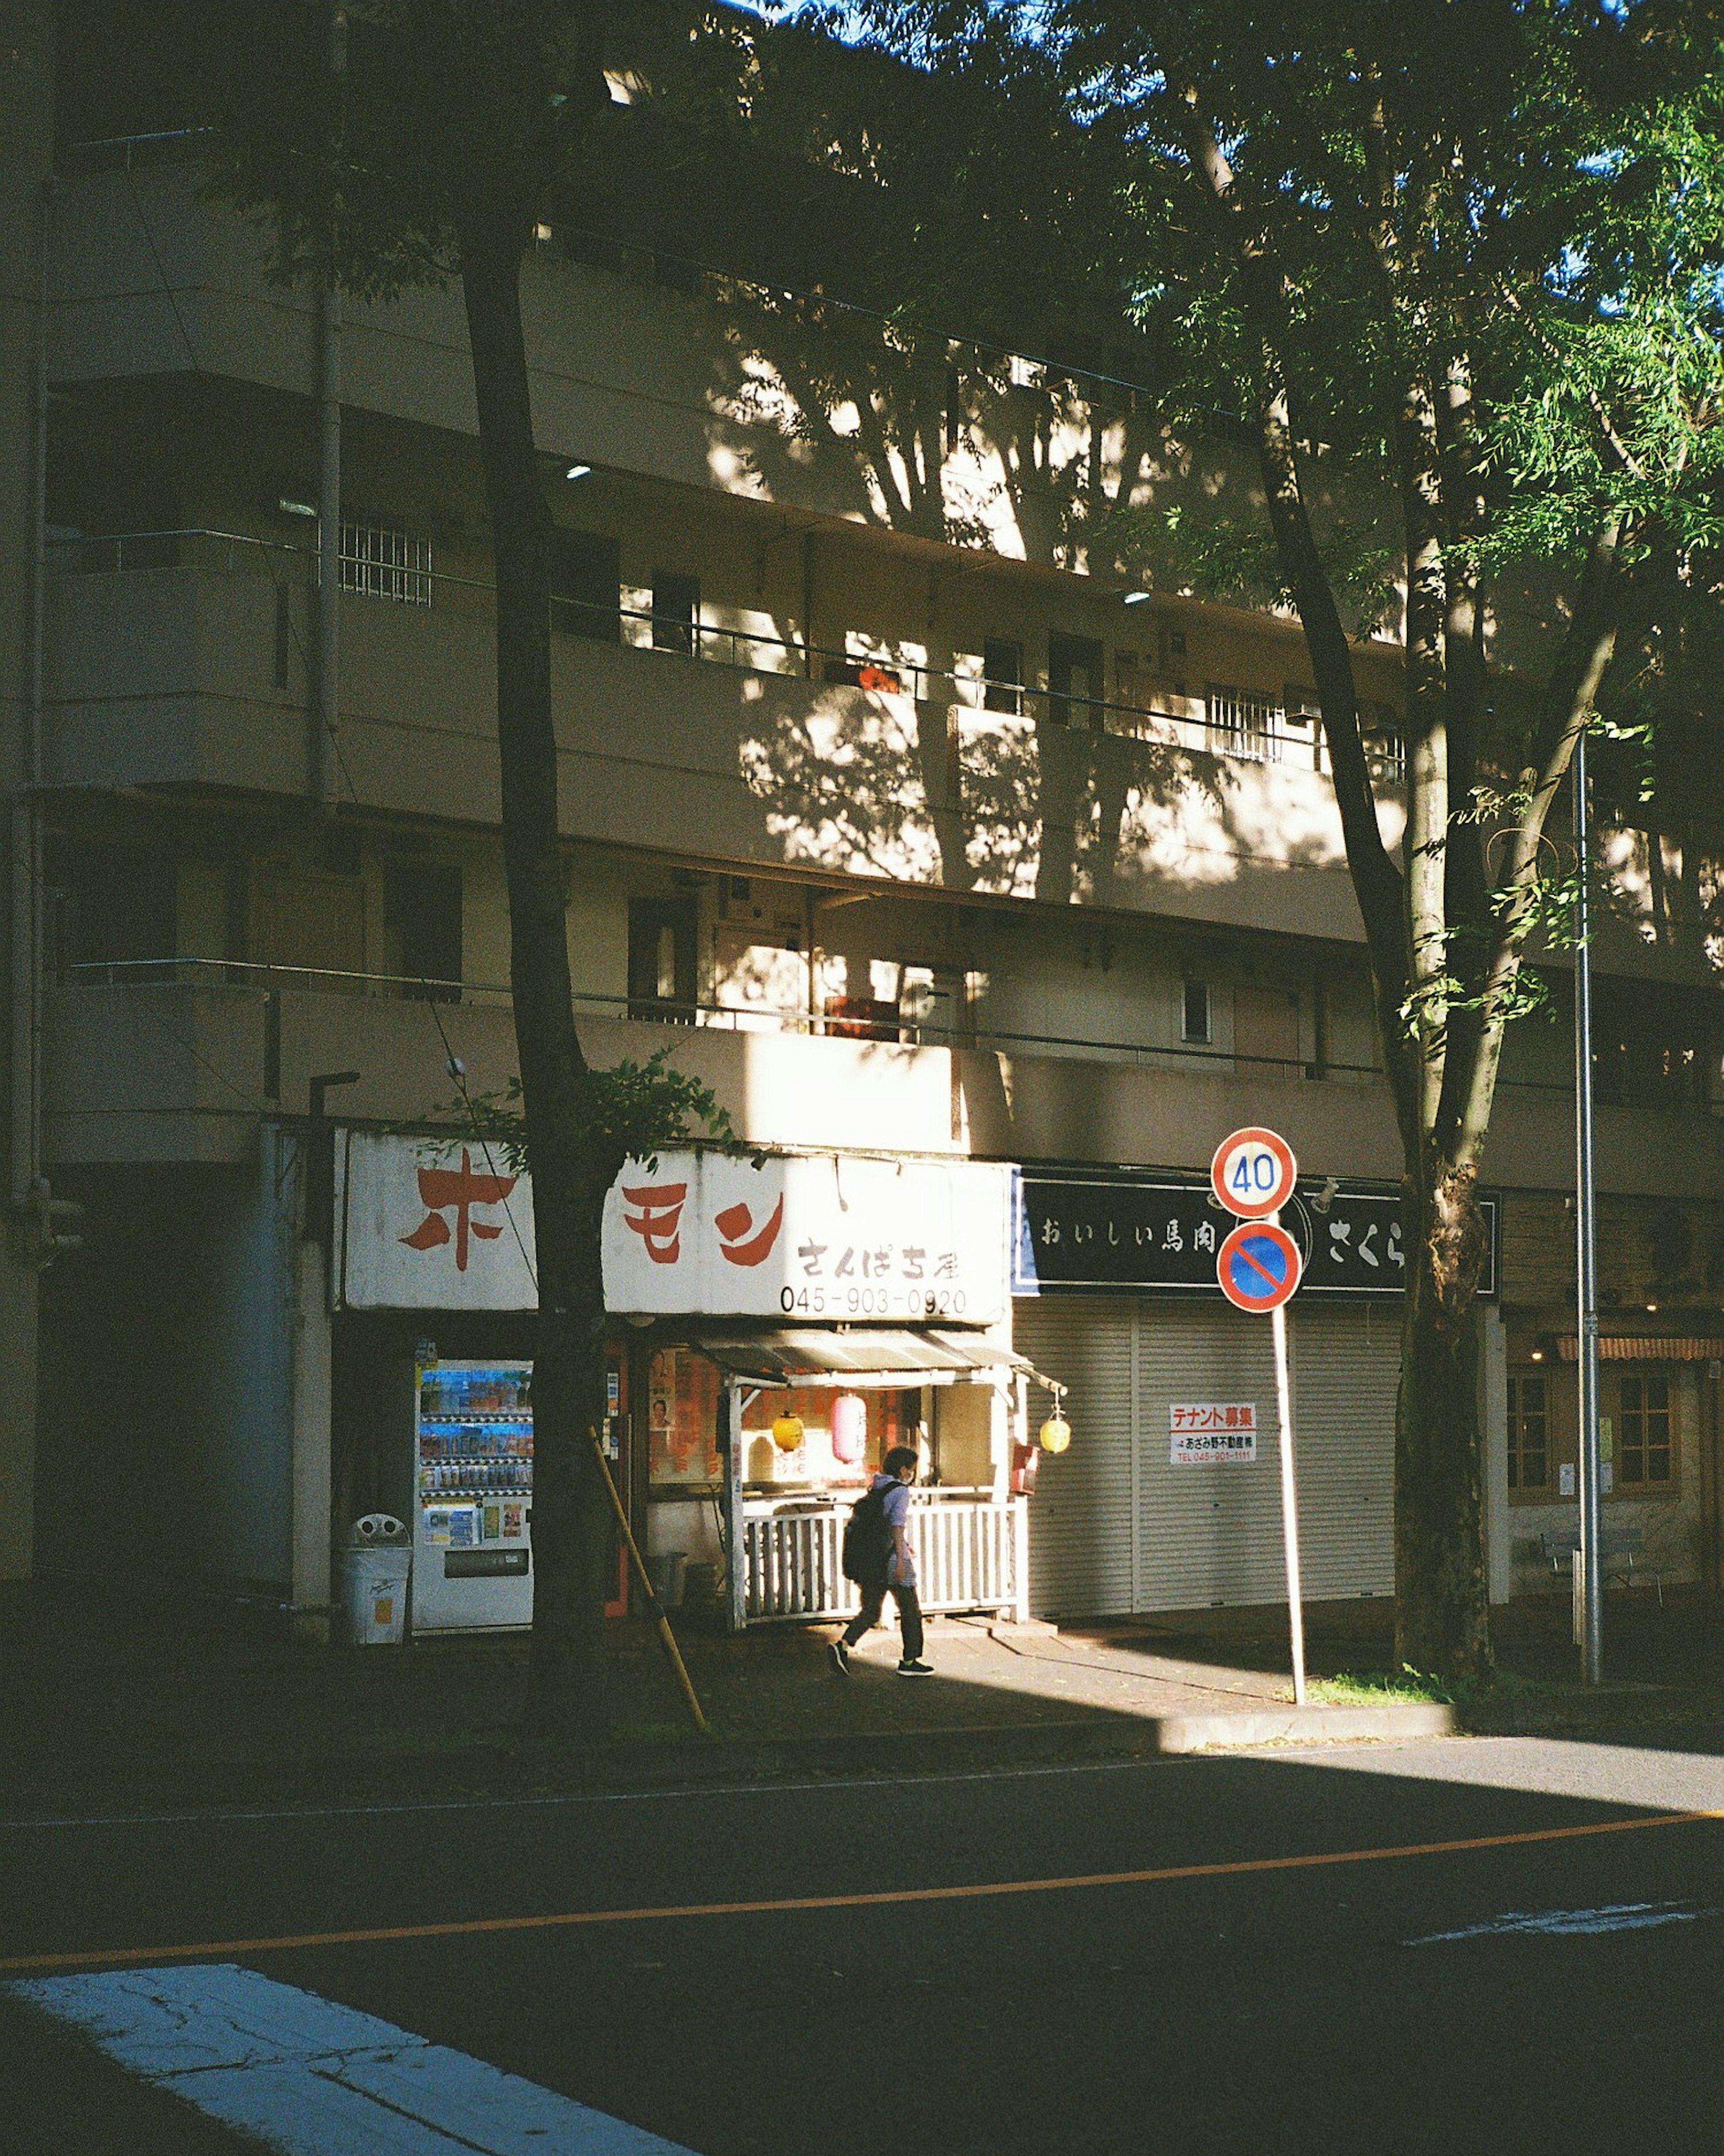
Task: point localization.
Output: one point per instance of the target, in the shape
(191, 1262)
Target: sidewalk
(107, 1710)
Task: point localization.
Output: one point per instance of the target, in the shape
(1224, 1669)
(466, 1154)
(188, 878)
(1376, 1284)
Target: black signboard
(1083, 1232)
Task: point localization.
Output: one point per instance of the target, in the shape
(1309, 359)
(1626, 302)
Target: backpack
(867, 1552)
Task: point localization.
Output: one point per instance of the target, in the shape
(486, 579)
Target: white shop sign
(1203, 1433)
(823, 1237)
(428, 1225)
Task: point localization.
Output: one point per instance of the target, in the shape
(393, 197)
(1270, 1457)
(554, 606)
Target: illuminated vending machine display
(472, 1534)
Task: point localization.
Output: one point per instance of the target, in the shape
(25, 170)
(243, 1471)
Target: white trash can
(376, 1567)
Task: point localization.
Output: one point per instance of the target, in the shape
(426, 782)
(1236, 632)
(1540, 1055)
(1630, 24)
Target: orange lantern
(787, 1432)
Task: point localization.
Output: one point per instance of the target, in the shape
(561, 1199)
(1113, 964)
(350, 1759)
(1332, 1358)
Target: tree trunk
(572, 1546)
(1442, 1597)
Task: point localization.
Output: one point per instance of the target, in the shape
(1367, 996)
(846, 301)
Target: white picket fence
(972, 1552)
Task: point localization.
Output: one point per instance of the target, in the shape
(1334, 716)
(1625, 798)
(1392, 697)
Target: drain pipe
(26, 815)
(326, 709)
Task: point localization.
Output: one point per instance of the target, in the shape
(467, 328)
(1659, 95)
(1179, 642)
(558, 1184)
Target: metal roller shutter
(1115, 1527)
(1213, 1533)
(1081, 1516)
(1347, 1366)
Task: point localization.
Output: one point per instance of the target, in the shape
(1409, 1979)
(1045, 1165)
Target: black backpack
(868, 1539)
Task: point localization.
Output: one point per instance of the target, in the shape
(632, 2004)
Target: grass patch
(1410, 1688)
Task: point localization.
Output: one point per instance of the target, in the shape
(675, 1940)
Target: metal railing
(1274, 736)
(970, 1551)
(750, 1018)
(266, 979)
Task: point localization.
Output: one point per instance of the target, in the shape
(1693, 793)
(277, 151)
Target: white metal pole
(1591, 1637)
(1290, 1500)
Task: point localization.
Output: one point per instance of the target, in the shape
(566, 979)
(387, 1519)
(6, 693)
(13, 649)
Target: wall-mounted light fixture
(578, 471)
(1137, 598)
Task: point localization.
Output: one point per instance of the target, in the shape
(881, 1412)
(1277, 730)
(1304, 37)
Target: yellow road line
(884, 1897)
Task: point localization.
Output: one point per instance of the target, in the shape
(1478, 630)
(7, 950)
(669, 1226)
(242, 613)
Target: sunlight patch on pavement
(312, 2078)
(1568, 1923)
(1540, 1766)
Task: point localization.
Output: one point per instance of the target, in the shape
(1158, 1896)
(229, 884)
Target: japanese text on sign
(1203, 1432)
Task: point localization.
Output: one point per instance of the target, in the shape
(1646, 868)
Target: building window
(422, 929)
(1194, 1024)
(1002, 676)
(1645, 1455)
(1653, 1047)
(664, 936)
(676, 613)
(1529, 1432)
(384, 563)
(1243, 724)
(585, 585)
(1074, 681)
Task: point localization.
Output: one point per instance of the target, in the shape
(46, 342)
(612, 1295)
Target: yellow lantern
(1055, 1433)
(787, 1432)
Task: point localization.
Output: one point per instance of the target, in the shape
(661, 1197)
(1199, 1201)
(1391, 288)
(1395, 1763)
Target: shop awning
(814, 1356)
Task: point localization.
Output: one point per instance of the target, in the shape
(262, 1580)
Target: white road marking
(312, 2078)
(1567, 1923)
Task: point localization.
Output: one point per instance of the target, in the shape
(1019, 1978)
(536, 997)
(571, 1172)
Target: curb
(1179, 1733)
(628, 1768)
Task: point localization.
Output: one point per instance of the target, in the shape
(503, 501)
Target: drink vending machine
(473, 1453)
(473, 1529)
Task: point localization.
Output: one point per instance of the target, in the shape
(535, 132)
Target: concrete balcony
(182, 1070)
(193, 675)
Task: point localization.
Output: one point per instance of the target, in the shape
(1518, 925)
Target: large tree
(390, 143)
(1465, 258)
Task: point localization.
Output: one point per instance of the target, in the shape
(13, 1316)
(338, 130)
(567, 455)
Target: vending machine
(473, 1531)
(473, 1450)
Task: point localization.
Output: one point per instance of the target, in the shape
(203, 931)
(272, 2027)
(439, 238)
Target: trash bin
(665, 1571)
(375, 1568)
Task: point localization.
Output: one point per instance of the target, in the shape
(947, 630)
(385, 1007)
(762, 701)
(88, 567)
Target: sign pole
(1290, 1500)
(1258, 1268)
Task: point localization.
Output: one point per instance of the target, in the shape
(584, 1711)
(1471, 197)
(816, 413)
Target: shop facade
(779, 1322)
(1168, 1497)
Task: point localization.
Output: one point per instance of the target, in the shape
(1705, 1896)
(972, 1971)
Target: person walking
(894, 1574)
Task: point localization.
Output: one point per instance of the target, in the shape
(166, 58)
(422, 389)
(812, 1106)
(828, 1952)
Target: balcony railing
(1210, 725)
(909, 1032)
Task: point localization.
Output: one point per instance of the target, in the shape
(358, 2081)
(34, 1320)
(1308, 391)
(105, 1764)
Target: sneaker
(908, 1669)
(840, 1658)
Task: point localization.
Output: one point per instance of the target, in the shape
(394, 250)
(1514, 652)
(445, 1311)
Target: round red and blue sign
(1258, 1267)
(1253, 1172)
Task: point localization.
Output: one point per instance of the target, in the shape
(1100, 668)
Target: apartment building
(917, 840)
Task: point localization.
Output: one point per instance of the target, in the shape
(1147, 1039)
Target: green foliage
(628, 1110)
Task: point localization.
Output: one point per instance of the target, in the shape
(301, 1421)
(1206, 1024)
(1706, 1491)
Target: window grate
(1245, 726)
(384, 563)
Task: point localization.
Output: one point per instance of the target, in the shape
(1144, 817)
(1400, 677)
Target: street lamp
(1591, 1640)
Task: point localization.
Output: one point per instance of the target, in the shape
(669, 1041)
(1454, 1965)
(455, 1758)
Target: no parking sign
(1258, 1267)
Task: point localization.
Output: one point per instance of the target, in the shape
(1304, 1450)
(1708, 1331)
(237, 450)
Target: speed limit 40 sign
(1253, 1174)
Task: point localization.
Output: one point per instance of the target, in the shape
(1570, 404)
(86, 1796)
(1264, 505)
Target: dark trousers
(910, 1616)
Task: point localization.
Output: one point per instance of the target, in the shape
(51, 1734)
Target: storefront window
(844, 1435)
(682, 1438)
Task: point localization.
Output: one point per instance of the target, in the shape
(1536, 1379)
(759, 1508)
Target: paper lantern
(849, 1428)
(787, 1432)
(1055, 1434)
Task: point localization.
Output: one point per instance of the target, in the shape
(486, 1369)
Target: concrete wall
(166, 1358)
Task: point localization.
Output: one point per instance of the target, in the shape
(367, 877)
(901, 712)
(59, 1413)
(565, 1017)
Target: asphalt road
(1558, 1991)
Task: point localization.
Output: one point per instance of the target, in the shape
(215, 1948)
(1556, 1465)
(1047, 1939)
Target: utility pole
(1591, 1613)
